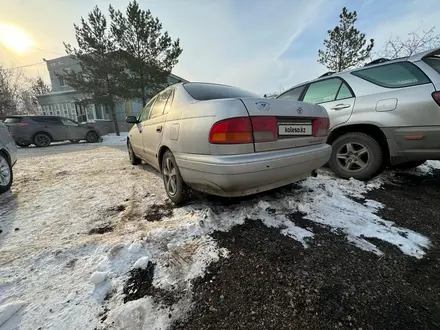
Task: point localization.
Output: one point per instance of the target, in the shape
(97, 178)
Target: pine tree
(148, 53)
(346, 46)
(100, 76)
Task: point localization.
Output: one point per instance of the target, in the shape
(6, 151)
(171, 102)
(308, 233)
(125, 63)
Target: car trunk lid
(297, 124)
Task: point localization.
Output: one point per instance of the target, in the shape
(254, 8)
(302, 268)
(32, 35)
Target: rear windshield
(433, 62)
(13, 120)
(203, 92)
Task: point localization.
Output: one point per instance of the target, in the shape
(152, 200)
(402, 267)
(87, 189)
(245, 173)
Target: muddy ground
(271, 282)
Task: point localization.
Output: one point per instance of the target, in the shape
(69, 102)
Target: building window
(58, 112)
(61, 79)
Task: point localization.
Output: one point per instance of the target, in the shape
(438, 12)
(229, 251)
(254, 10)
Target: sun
(15, 39)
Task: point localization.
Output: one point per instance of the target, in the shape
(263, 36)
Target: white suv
(380, 114)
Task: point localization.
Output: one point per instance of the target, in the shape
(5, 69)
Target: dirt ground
(272, 282)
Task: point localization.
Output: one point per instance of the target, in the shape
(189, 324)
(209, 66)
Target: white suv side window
(322, 91)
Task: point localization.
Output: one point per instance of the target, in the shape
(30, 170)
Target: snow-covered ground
(112, 139)
(76, 224)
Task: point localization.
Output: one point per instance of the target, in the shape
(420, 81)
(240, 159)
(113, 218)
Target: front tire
(22, 145)
(42, 140)
(356, 155)
(92, 137)
(6, 176)
(134, 160)
(177, 190)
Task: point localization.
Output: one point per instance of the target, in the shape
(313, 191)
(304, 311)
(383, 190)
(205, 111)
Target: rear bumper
(22, 138)
(413, 143)
(240, 175)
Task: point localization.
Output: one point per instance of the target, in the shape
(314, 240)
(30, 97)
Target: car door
(54, 127)
(136, 132)
(335, 96)
(73, 130)
(153, 127)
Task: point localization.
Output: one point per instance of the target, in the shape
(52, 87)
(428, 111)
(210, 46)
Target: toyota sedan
(228, 142)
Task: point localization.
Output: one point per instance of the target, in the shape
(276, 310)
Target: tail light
(321, 127)
(265, 129)
(231, 131)
(244, 130)
(436, 97)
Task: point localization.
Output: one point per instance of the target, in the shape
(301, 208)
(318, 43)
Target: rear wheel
(74, 141)
(42, 140)
(134, 160)
(23, 145)
(6, 176)
(176, 188)
(92, 137)
(356, 155)
(408, 165)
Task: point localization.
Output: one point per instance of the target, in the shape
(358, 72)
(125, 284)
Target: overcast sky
(259, 45)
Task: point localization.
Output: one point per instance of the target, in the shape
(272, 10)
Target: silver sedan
(8, 157)
(228, 142)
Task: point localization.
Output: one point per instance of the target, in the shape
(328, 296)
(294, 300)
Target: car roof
(413, 58)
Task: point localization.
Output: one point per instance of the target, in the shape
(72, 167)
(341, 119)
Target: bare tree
(18, 94)
(417, 41)
(9, 90)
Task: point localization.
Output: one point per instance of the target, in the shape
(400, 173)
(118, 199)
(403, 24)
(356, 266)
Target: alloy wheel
(5, 172)
(170, 175)
(42, 140)
(353, 156)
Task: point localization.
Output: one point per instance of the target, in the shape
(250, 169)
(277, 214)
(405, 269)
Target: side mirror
(131, 120)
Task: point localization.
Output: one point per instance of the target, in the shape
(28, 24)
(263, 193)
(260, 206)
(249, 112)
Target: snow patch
(98, 277)
(425, 169)
(141, 263)
(112, 139)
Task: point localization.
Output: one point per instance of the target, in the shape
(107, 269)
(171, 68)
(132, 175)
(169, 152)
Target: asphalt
(62, 147)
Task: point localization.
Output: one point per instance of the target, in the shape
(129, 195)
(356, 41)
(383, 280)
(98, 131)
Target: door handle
(341, 106)
(159, 129)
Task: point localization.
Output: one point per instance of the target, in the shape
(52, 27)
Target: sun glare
(15, 39)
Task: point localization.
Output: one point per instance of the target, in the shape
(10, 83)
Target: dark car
(43, 130)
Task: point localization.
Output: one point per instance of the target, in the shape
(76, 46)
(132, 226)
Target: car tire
(92, 137)
(408, 165)
(6, 175)
(42, 140)
(134, 160)
(74, 141)
(356, 155)
(177, 190)
(23, 145)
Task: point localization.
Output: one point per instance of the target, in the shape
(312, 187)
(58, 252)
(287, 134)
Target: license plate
(295, 129)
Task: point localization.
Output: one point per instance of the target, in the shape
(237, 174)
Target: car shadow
(8, 211)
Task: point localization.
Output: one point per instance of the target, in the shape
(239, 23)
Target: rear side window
(433, 62)
(327, 90)
(13, 120)
(293, 94)
(203, 92)
(395, 75)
